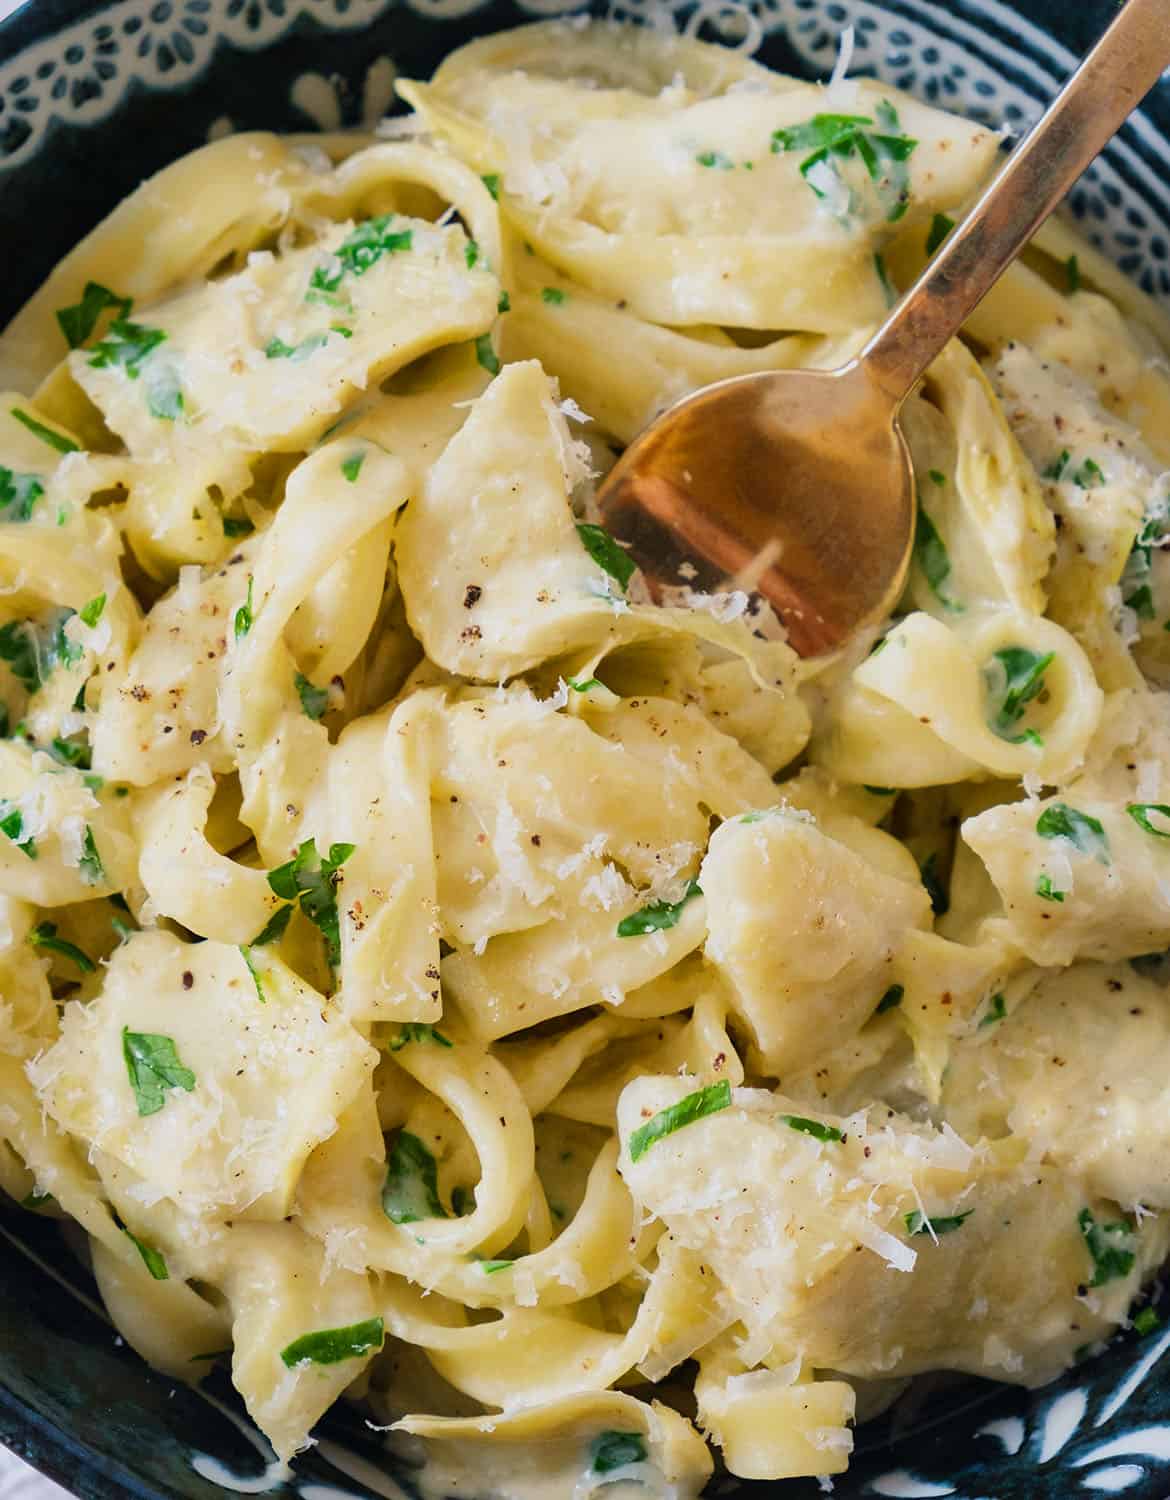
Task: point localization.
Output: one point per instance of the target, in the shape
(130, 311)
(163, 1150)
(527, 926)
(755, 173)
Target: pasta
(434, 975)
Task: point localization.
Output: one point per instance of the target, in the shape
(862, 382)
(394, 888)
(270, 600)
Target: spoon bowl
(797, 485)
(815, 499)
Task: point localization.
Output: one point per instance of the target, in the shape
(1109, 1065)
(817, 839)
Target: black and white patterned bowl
(94, 98)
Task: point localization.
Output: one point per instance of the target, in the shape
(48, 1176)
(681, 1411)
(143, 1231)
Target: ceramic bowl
(93, 99)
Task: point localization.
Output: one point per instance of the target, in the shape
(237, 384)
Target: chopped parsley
(582, 686)
(1145, 1320)
(329, 1346)
(44, 936)
(614, 1450)
(657, 916)
(91, 612)
(490, 1267)
(275, 928)
(816, 1128)
(418, 1031)
(553, 295)
(940, 227)
(606, 553)
(244, 618)
(831, 139)
(311, 881)
(935, 1224)
(717, 159)
(1047, 891)
(1072, 271)
(491, 181)
(938, 477)
(253, 969)
(471, 254)
(1055, 470)
(892, 997)
(314, 700)
(411, 1189)
(930, 553)
(93, 872)
(1111, 1247)
(1140, 813)
(278, 349)
(12, 827)
(154, 1262)
(1090, 475)
(33, 651)
(485, 355)
(351, 467)
(362, 248)
(164, 395)
(153, 1066)
(1064, 823)
(1014, 679)
(79, 321)
(940, 902)
(125, 346)
(889, 291)
(55, 440)
(996, 1011)
(696, 1106)
(234, 526)
(504, 304)
(19, 494)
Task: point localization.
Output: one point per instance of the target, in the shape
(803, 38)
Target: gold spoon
(803, 477)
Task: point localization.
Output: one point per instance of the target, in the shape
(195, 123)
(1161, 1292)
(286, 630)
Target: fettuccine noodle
(432, 973)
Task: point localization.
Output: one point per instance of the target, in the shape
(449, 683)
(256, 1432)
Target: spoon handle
(1109, 84)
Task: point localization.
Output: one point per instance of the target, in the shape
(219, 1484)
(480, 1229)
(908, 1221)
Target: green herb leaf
(1047, 891)
(471, 254)
(491, 181)
(411, 1189)
(832, 138)
(12, 827)
(490, 1267)
(1141, 601)
(579, 686)
(816, 1128)
(936, 1224)
(19, 494)
(1090, 475)
(657, 916)
(1111, 1247)
(882, 791)
(298, 353)
(313, 881)
(91, 612)
(36, 1200)
(504, 304)
(244, 618)
(706, 1101)
(1055, 470)
(931, 555)
(44, 937)
(614, 1450)
(1072, 271)
(892, 997)
(486, 355)
(552, 294)
(164, 394)
(715, 159)
(153, 1066)
(352, 466)
(55, 440)
(1084, 833)
(418, 1031)
(329, 1346)
(253, 970)
(314, 700)
(79, 321)
(234, 526)
(93, 872)
(938, 477)
(940, 227)
(940, 901)
(275, 928)
(1140, 813)
(125, 346)
(151, 1258)
(1013, 681)
(606, 553)
(996, 1011)
(1145, 1320)
(362, 248)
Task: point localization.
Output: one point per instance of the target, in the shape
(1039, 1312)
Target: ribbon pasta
(434, 975)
